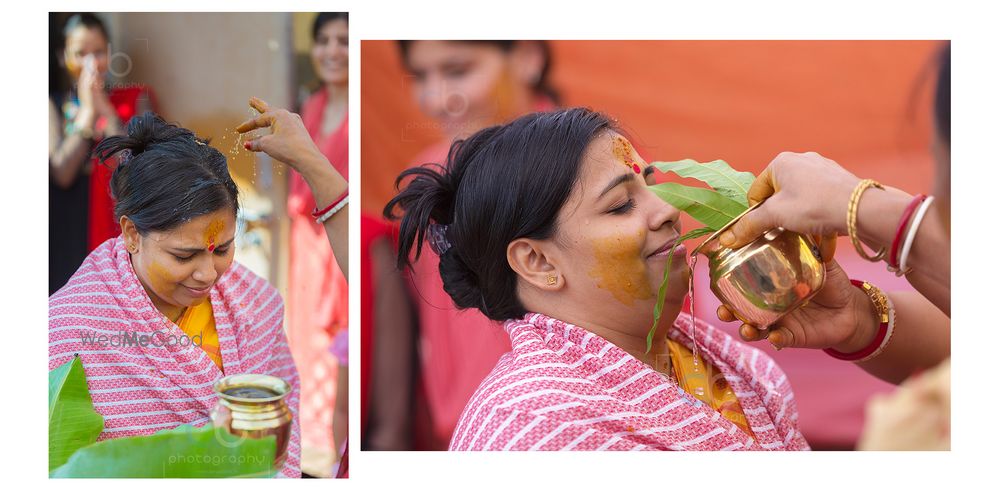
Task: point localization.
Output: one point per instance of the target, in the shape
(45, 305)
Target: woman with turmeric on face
(185, 314)
(547, 225)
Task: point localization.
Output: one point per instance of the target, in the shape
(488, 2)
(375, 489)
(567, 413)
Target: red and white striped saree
(144, 389)
(565, 388)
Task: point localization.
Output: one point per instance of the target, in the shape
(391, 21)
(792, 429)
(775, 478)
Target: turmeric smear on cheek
(620, 268)
(211, 234)
(160, 279)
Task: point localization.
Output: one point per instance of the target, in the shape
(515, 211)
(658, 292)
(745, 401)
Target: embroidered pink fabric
(565, 388)
(144, 389)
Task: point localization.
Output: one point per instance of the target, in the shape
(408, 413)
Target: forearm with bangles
(328, 185)
(879, 213)
(921, 339)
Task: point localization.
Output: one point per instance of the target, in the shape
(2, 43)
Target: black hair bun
(142, 132)
(165, 175)
(460, 282)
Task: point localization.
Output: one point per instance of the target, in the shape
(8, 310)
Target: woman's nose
(205, 272)
(661, 213)
(433, 97)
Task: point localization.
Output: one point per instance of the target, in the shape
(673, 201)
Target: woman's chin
(185, 297)
(678, 269)
(335, 77)
(677, 288)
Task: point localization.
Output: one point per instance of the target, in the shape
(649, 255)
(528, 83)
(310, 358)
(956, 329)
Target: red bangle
(883, 329)
(316, 213)
(901, 229)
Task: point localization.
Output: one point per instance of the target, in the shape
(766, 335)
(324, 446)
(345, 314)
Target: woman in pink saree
(160, 313)
(547, 224)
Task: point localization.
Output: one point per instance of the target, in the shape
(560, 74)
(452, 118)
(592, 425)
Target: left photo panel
(198, 244)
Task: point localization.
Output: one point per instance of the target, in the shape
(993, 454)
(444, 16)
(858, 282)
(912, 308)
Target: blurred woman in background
(464, 86)
(317, 294)
(82, 111)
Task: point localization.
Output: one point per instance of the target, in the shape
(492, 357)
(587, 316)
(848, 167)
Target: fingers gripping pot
(766, 279)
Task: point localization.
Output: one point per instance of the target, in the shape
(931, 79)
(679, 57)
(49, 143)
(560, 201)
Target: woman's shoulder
(250, 300)
(97, 274)
(243, 281)
(535, 365)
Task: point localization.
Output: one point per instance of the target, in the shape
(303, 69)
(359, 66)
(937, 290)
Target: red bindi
(211, 247)
(636, 168)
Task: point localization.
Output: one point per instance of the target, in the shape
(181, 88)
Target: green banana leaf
(184, 451)
(717, 174)
(662, 293)
(73, 423)
(709, 207)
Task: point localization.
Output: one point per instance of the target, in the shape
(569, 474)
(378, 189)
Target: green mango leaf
(661, 295)
(184, 451)
(73, 423)
(717, 174)
(707, 206)
(184, 428)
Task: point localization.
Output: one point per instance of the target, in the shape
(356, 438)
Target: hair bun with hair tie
(437, 238)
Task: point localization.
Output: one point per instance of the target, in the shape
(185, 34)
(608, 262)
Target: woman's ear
(130, 233)
(529, 60)
(528, 258)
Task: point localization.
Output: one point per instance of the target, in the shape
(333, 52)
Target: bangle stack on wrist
(900, 232)
(852, 219)
(887, 322)
(911, 234)
(323, 215)
(909, 222)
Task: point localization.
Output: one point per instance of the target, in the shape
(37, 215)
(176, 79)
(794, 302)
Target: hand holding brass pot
(253, 406)
(766, 279)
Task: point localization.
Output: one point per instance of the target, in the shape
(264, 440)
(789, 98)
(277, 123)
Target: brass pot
(766, 279)
(253, 406)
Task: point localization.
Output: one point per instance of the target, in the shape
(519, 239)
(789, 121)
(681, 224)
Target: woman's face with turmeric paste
(179, 267)
(614, 237)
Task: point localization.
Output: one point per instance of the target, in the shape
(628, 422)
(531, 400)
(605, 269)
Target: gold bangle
(852, 220)
(879, 300)
(886, 314)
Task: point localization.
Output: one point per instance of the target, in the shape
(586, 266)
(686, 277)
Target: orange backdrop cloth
(865, 104)
(317, 290)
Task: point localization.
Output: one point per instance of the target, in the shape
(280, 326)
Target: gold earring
(551, 280)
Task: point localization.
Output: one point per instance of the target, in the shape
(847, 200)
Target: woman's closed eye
(623, 208)
(218, 252)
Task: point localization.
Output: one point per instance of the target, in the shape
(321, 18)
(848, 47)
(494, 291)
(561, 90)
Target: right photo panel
(655, 245)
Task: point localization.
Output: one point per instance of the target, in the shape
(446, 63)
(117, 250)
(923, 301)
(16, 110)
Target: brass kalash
(766, 279)
(253, 406)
